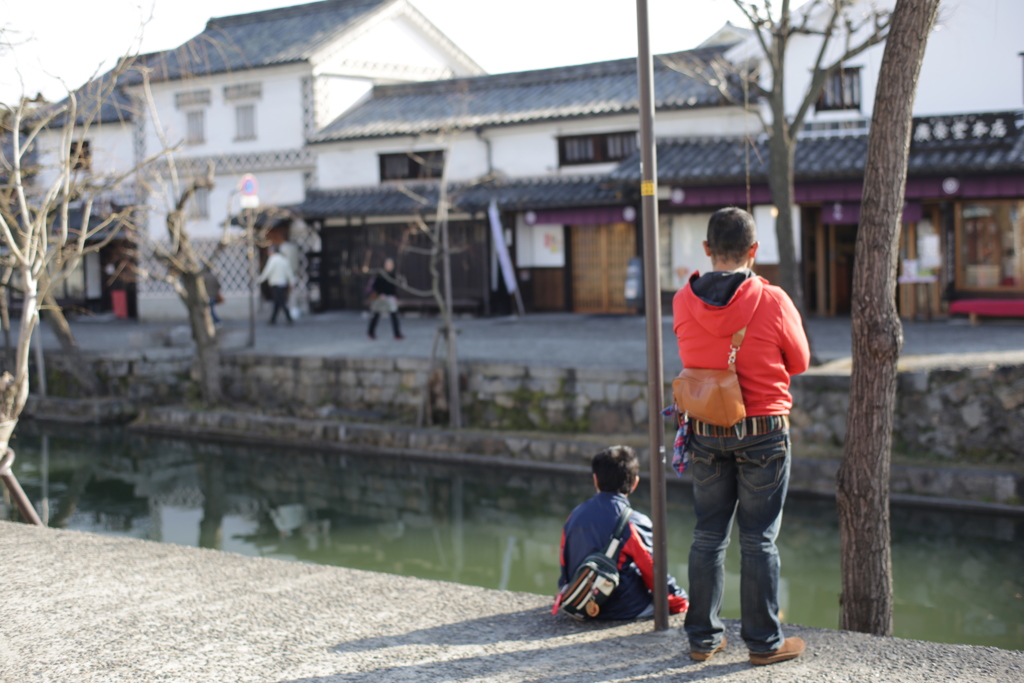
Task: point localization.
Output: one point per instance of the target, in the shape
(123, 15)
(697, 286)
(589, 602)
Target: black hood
(718, 287)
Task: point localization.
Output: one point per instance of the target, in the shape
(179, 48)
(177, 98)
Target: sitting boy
(590, 526)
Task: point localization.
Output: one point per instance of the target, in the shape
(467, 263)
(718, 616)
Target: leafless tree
(183, 266)
(41, 248)
(743, 84)
(863, 480)
(438, 252)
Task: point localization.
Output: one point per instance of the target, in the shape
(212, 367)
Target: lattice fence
(230, 264)
(306, 240)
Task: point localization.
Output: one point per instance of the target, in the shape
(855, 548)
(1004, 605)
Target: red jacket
(774, 348)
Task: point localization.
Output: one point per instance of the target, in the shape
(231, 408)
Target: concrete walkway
(85, 608)
(554, 339)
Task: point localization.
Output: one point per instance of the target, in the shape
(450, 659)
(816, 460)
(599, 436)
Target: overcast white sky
(69, 40)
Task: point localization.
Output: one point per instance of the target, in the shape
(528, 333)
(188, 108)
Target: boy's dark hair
(731, 234)
(616, 467)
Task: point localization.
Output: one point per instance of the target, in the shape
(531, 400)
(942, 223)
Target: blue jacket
(588, 530)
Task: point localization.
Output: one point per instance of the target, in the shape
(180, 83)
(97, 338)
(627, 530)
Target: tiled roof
(238, 42)
(523, 193)
(278, 36)
(521, 97)
(115, 104)
(711, 161)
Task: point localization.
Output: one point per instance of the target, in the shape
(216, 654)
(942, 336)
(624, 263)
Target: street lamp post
(250, 235)
(250, 201)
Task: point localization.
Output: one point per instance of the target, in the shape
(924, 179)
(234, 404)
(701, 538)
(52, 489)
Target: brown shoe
(791, 649)
(698, 656)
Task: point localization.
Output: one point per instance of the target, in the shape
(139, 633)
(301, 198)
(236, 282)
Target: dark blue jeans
(280, 303)
(746, 479)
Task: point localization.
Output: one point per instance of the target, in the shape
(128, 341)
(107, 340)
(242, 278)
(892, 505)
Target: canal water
(958, 577)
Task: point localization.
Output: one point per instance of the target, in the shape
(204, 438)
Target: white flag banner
(501, 248)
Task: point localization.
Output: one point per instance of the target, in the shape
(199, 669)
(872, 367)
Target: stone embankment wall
(971, 413)
(808, 475)
(159, 375)
(974, 413)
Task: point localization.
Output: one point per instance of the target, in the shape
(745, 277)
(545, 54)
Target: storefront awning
(848, 213)
(598, 215)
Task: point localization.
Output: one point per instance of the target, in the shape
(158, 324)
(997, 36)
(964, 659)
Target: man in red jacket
(742, 471)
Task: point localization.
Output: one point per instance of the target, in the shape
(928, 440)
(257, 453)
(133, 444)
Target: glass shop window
(992, 245)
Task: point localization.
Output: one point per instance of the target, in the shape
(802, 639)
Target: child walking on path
(616, 472)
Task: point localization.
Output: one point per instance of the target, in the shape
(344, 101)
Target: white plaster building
(244, 96)
(344, 115)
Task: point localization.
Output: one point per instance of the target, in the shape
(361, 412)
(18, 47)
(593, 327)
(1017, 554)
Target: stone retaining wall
(158, 375)
(807, 474)
(969, 413)
(328, 432)
(976, 414)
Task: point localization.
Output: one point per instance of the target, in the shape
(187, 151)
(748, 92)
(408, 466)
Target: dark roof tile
(502, 99)
(523, 193)
(711, 161)
(257, 39)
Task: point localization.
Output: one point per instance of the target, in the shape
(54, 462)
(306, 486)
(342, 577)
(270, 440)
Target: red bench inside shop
(996, 308)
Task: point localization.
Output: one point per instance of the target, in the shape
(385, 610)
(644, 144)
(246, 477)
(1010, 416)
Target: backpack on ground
(596, 578)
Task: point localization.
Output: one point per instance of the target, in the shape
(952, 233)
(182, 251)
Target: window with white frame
(200, 207)
(412, 165)
(842, 90)
(196, 130)
(595, 149)
(245, 122)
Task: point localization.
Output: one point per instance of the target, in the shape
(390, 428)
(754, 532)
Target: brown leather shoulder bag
(712, 396)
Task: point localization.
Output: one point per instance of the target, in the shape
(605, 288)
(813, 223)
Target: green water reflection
(958, 578)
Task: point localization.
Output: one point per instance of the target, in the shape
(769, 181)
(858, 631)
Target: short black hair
(731, 234)
(616, 467)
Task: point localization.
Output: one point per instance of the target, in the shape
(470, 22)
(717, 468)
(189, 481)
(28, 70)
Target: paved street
(89, 608)
(559, 339)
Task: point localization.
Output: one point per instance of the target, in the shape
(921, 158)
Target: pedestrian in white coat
(279, 275)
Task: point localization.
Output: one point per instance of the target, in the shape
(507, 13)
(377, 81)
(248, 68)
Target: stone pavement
(554, 339)
(85, 608)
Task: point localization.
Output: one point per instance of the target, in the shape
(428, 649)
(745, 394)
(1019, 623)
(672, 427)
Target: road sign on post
(250, 191)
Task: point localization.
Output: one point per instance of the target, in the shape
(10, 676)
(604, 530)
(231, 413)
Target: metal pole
(652, 300)
(251, 235)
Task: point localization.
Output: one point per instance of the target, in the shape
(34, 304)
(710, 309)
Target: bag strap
(613, 543)
(737, 342)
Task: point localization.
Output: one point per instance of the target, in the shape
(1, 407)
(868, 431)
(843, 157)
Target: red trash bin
(119, 301)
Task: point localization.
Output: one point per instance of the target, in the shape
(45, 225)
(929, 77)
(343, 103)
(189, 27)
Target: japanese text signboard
(996, 127)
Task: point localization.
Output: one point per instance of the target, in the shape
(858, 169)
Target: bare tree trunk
(5, 322)
(73, 361)
(454, 400)
(863, 479)
(204, 335)
(780, 182)
(14, 390)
